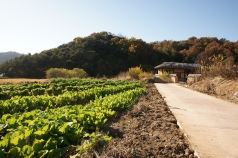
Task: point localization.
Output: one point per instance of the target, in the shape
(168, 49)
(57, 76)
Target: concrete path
(211, 124)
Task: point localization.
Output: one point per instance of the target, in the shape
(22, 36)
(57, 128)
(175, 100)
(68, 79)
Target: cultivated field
(87, 118)
(48, 119)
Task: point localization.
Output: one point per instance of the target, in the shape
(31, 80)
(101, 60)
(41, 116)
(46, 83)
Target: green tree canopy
(106, 54)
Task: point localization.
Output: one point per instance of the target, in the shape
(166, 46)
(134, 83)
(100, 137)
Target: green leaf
(1, 153)
(5, 142)
(14, 140)
(51, 153)
(15, 152)
(46, 127)
(42, 153)
(50, 144)
(17, 139)
(45, 121)
(3, 126)
(28, 132)
(63, 129)
(26, 150)
(11, 121)
(38, 145)
(6, 117)
(86, 135)
(107, 138)
(60, 151)
(30, 122)
(41, 134)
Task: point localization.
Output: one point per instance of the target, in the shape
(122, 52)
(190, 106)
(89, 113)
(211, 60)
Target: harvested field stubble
(21, 80)
(149, 129)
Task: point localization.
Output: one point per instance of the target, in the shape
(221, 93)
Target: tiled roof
(178, 65)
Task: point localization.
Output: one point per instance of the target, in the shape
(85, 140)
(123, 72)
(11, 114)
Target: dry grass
(21, 80)
(225, 71)
(122, 76)
(218, 87)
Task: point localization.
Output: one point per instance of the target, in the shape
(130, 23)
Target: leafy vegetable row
(50, 133)
(9, 91)
(28, 103)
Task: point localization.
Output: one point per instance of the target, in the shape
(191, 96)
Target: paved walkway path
(211, 124)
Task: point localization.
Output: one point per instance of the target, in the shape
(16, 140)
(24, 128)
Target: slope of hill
(106, 54)
(218, 87)
(8, 55)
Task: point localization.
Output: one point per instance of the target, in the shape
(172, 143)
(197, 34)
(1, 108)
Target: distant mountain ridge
(4, 56)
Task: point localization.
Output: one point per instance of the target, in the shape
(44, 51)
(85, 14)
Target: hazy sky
(31, 26)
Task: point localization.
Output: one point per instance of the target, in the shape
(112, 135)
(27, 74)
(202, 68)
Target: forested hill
(8, 55)
(107, 54)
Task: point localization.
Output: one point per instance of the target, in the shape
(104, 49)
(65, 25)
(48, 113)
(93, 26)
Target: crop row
(50, 133)
(29, 89)
(27, 103)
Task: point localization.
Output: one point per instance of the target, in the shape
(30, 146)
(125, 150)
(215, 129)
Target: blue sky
(28, 26)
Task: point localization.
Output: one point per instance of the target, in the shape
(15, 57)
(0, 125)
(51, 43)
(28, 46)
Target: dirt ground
(217, 87)
(149, 130)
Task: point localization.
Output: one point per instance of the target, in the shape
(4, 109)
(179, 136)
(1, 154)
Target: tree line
(106, 54)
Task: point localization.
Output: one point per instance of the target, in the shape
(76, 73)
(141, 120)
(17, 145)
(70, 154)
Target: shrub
(65, 73)
(146, 75)
(134, 72)
(80, 73)
(164, 75)
(220, 66)
(56, 73)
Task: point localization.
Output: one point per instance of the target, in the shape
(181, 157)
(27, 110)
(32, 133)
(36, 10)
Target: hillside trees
(105, 54)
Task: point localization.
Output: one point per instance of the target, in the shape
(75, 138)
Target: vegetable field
(48, 119)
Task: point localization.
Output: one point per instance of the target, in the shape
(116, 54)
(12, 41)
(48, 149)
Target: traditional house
(180, 69)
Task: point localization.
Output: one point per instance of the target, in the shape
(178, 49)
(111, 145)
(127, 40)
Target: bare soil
(149, 130)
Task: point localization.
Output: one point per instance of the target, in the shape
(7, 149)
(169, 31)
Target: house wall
(180, 73)
(179, 70)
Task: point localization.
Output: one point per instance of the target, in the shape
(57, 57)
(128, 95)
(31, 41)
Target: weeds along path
(149, 129)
